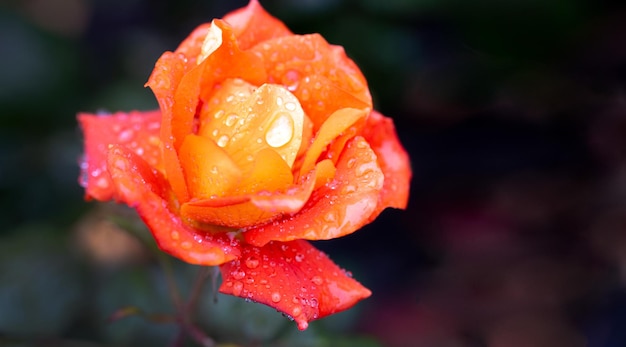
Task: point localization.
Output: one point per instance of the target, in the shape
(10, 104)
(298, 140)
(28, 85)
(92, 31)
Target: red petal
(138, 131)
(252, 24)
(321, 75)
(294, 278)
(393, 160)
(138, 185)
(337, 208)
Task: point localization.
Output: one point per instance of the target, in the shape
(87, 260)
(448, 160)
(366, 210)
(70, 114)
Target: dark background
(513, 113)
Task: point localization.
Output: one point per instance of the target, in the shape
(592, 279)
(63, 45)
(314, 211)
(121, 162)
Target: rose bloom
(264, 139)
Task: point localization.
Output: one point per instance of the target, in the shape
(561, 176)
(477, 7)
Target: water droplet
(238, 275)
(290, 106)
(299, 257)
(237, 288)
(252, 262)
(214, 170)
(280, 131)
(223, 140)
(185, 245)
(296, 311)
(313, 302)
(231, 119)
(126, 135)
(230, 98)
(276, 297)
(249, 280)
(351, 163)
(175, 235)
(317, 280)
(218, 114)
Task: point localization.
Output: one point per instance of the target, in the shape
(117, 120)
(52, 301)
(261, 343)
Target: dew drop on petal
(299, 257)
(237, 288)
(238, 275)
(223, 140)
(276, 297)
(231, 119)
(126, 135)
(280, 132)
(252, 262)
(317, 280)
(175, 235)
(296, 311)
(313, 302)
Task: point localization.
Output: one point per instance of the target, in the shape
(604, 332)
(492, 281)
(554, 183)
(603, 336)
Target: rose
(264, 139)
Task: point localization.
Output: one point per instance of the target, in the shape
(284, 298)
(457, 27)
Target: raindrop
(223, 140)
(126, 135)
(231, 119)
(252, 262)
(175, 235)
(317, 280)
(351, 163)
(313, 302)
(237, 288)
(238, 274)
(276, 297)
(296, 311)
(290, 106)
(299, 257)
(218, 114)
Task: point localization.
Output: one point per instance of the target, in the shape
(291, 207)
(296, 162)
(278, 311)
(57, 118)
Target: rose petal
(294, 278)
(192, 44)
(166, 76)
(393, 160)
(252, 24)
(138, 131)
(336, 209)
(321, 75)
(244, 120)
(208, 169)
(336, 124)
(138, 185)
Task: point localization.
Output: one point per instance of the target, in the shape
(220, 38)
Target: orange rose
(264, 139)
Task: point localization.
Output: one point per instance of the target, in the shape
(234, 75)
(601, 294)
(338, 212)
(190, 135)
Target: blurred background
(513, 113)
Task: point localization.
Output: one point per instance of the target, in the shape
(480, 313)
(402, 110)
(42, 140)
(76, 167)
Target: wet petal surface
(335, 209)
(145, 189)
(294, 278)
(137, 131)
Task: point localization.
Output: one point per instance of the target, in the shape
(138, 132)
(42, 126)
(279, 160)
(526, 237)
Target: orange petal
(321, 75)
(336, 124)
(138, 131)
(138, 185)
(393, 160)
(231, 212)
(192, 44)
(165, 78)
(249, 210)
(243, 124)
(294, 278)
(252, 24)
(336, 209)
(269, 173)
(209, 171)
